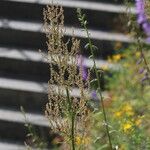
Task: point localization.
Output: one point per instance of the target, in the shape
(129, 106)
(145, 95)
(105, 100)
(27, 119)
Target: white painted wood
(37, 27)
(11, 146)
(30, 86)
(22, 85)
(30, 55)
(16, 116)
(98, 6)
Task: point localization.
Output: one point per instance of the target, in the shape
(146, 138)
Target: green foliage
(130, 101)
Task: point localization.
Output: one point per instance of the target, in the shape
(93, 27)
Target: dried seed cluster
(64, 75)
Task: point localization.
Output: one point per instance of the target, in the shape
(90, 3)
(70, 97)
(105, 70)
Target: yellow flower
(109, 59)
(137, 54)
(86, 140)
(128, 110)
(127, 107)
(127, 127)
(130, 113)
(126, 65)
(138, 121)
(78, 140)
(81, 140)
(105, 67)
(116, 57)
(118, 114)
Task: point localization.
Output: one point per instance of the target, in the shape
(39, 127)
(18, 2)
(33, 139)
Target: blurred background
(23, 71)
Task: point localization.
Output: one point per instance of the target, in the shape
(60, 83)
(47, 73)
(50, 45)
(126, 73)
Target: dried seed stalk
(68, 115)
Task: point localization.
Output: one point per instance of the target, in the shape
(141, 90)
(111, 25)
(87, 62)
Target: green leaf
(97, 139)
(100, 71)
(85, 22)
(29, 134)
(87, 46)
(94, 84)
(91, 56)
(95, 48)
(92, 69)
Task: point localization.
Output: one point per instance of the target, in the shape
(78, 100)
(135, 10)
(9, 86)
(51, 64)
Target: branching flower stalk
(146, 65)
(143, 23)
(138, 32)
(67, 114)
(140, 48)
(92, 47)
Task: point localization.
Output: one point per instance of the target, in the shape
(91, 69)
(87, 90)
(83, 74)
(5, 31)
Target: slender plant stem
(72, 115)
(140, 48)
(99, 87)
(72, 132)
(143, 56)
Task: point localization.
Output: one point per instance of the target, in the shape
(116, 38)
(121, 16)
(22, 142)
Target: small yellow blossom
(81, 140)
(78, 140)
(128, 110)
(127, 127)
(116, 57)
(118, 114)
(130, 113)
(137, 54)
(138, 121)
(127, 107)
(105, 67)
(109, 59)
(126, 65)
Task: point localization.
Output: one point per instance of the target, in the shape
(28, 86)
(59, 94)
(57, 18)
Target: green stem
(99, 88)
(71, 113)
(140, 48)
(143, 56)
(72, 132)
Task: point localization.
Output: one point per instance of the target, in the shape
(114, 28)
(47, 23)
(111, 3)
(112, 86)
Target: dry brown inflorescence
(65, 111)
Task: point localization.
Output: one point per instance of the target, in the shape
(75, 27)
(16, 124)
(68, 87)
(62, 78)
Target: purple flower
(148, 40)
(94, 95)
(141, 70)
(142, 18)
(146, 28)
(83, 67)
(140, 11)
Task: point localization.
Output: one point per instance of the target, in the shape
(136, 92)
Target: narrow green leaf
(87, 46)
